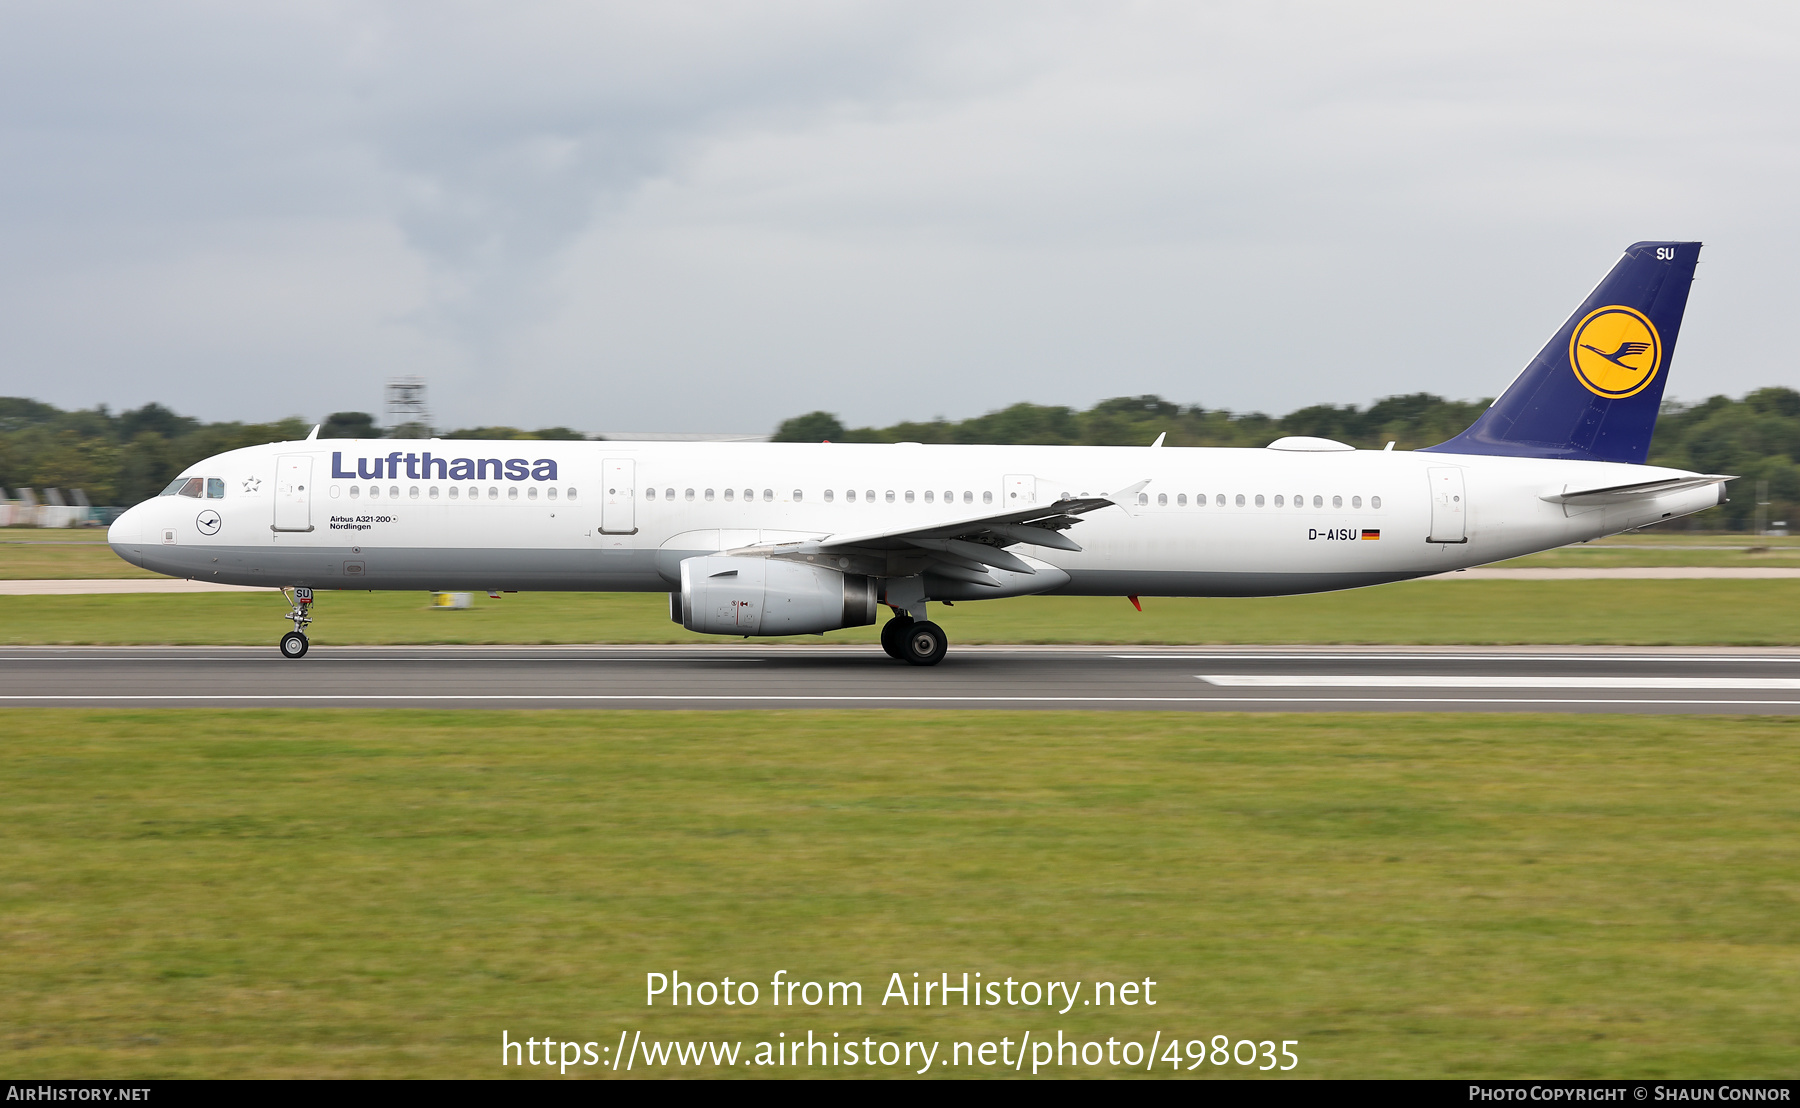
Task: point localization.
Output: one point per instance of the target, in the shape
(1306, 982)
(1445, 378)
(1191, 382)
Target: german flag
(1371, 534)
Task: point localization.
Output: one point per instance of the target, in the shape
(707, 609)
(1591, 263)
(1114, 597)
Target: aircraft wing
(1622, 494)
(964, 549)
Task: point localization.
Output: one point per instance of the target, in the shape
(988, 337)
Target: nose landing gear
(294, 644)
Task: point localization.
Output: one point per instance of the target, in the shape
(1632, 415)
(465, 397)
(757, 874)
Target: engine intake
(725, 595)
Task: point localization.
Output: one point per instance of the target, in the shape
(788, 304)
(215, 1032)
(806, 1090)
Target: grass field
(381, 893)
(1621, 612)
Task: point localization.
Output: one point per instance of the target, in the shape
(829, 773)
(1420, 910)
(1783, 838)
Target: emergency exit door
(1449, 505)
(618, 504)
(293, 492)
(1021, 490)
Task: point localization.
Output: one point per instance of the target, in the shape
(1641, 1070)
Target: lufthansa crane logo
(1615, 352)
(208, 522)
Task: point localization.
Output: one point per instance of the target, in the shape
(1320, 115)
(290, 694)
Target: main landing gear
(294, 644)
(916, 642)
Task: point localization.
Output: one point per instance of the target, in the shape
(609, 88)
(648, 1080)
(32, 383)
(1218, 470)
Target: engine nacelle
(723, 595)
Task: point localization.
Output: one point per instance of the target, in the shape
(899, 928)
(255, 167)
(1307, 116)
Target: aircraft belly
(322, 567)
(1117, 582)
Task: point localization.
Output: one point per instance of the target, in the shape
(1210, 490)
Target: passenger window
(928, 496)
(550, 493)
(730, 495)
(512, 492)
(768, 496)
(1143, 498)
(869, 495)
(413, 492)
(393, 492)
(1374, 501)
(374, 492)
(709, 495)
(1279, 501)
(453, 492)
(968, 497)
(1240, 500)
(797, 496)
(890, 496)
(987, 497)
(649, 494)
(850, 496)
(749, 494)
(828, 495)
(909, 496)
(531, 493)
(493, 492)
(1337, 502)
(1181, 500)
(1318, 502)
(1259, 500)
(1220, 500)
(215, 488)
(1299, 501)
(689, 497)
(669, 494)
(433, 493)
(1162, 500)
(949, 496)
(1356, 502)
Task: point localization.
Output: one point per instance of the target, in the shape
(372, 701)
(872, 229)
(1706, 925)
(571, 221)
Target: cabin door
(618, 506)
(1449, 505)
(293, 492)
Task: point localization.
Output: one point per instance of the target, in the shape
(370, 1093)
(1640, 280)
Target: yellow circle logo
(1615, 352)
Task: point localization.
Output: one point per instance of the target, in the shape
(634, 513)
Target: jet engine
(726, 595)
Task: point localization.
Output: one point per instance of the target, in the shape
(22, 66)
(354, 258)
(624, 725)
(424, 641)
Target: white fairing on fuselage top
(413, 536)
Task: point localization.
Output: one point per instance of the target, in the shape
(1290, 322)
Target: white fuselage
(621, 516)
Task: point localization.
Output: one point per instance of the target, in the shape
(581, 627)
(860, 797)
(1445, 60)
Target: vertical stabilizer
(1592, 393)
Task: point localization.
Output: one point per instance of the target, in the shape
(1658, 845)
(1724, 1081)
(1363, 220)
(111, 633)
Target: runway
(1373, 679)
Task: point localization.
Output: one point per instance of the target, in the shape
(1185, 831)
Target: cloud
(693, 216)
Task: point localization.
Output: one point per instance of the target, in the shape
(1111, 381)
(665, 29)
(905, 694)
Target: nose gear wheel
(294, 643)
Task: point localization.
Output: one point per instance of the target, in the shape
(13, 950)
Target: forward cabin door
(618, 509)
(1448, 505)
(293, 492)
(1021, 490)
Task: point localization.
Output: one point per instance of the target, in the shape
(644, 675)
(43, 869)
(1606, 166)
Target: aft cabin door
(1448, 505)
(293, 492)
(618, 511)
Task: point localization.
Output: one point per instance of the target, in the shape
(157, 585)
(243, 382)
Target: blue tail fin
(1593, 392)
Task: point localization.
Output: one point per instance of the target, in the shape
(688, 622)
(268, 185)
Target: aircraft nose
(127, 533)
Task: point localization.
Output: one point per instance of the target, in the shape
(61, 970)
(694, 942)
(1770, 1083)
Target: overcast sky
(709, 217)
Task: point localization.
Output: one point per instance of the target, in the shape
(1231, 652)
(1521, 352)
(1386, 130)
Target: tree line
(1756, 437)
(129, 456)
(120, 459)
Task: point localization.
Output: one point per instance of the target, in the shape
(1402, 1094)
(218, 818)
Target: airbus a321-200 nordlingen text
(803, 538)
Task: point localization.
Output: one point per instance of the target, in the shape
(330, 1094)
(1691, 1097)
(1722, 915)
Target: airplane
(758, 539)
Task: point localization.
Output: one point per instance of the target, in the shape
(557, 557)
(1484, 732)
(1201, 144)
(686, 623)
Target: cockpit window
(189, 486)
(215, 488)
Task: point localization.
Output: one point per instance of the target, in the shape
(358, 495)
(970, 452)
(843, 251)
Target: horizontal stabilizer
(1643, 490)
